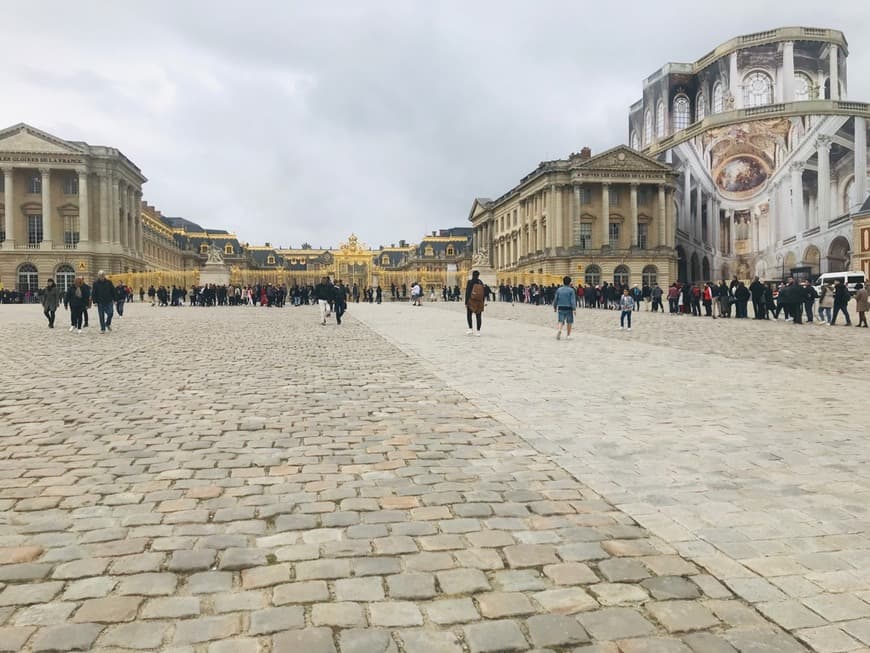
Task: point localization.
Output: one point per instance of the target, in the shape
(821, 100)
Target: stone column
(605, 214)
(687, 200)
(105, 207)
(772, 209)
(834, 72)
(84, 207)
(788, 71)
(9, 200)
(732, 233)
(860, 162)
(138, 200)
(823, 148)
(121, 211)
(709, 220)
(46, 208)
(699, 211)
(663, 216)
(835, 198)
(556, 204)
(734, 81)
(632, 234)
(797, 198)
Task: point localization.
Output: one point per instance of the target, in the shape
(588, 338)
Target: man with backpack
(475, 294)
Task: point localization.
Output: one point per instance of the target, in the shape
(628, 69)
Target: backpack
(475, 300)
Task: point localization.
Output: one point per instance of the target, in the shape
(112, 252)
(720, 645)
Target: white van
(849, 278)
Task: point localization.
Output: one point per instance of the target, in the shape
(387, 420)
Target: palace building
(770, 152)
(68, 208)
(599, 218)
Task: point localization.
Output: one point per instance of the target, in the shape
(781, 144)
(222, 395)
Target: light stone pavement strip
(742, 444)
(214, 480)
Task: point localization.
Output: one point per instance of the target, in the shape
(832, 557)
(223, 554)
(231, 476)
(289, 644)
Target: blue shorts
(566, 315)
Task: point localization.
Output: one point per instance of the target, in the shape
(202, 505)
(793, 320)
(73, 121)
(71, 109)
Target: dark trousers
(478, 318)
(339, 311)
(119, 306)
(49, 315)
(796, 313)
(657, 305)
(758, 307)
(75, 315)
(708, 308)
(808, 307)
(104, 312)
(837, 310)
(623, 317)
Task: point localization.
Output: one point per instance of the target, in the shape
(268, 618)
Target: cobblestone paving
(741, 444)
(239, 480)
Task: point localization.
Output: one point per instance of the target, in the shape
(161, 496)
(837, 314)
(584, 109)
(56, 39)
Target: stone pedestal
(487, 275)
(214, 273)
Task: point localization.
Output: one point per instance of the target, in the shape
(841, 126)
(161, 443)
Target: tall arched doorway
(705, 269)
(813, 260)
(621, 275)
(28, 278)
(64, 276)
(695, 272)
(682, 264)
(650, 275)
(592, 276)
(838, 255)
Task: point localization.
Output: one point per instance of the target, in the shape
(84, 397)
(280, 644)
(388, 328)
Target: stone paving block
(682, 616)
(238, 601)
(827, 639)
(567, 600)
(736, 614)
(555, 630)
(428, 641)
(708, 643)
(303, 592)
(30, 594)
(148, 584)
(25, 572)
(12, 639)
(369, 588)
(136, 635)
(490, 539)
(204, 629)
(653, 645)
(615, 623)
(530, 555)
(210, 582)
(323, 569)
(108, 610)
(234, 559)
(486, 559)
(623, 570)
(369, 640)
(495, 605)
(19, 554)
(174, 607)
(520, 580)
(462, 581)
(310, 640)
(452, 611)
(69, 637)
(581, 551)
(618, 593)
(273, 620)
(236, 645)
(411, 586)
(711, 587)
(671, 587)
(44, 614)
(570, 573)
(493, 636)
(345, 615)
(80, 569)
(790, 615)
(137, 564)
(196, 560)
(393, 614)
(257, 577)
(859, 629)
(89, 588)
(762, 640)
(833, 607)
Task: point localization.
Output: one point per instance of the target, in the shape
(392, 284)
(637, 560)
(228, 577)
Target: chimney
(585, 153)
(401, 243)
(434, 233)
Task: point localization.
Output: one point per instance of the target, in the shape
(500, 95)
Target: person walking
(756, 289)
(76, 299)
(810, 297)
(741, 296)
(708, 300)
(841, 302)
(626, 305)
(656, 294)
(339, 301)
(861, 304)
(120, 299)
(50, 301)
(323, 294)
(565, 305)
(103, 295)
(475, 296)
(826, 304)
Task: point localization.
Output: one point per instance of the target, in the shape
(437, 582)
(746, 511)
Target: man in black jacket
(103, 295)
(756, 288)
(810, 297)
(324, 294)
(841, 301)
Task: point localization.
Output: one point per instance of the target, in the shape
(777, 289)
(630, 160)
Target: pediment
(479, 206)
(623, 157)
(24, 138)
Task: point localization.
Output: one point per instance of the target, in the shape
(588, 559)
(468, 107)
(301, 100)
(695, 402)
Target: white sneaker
(79, 332)
(621, 328)
(72, 328)
(629, 328)
(567, 336)
(477, 333)
(469, 332)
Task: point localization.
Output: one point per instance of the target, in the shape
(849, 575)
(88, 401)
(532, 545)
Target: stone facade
(772, 157)
(68, 208)
(861, 238)
(604, 218)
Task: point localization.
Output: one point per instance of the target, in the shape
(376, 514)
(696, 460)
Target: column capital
(797, 166)
(45, 171)
(7, 169)
(605, 183)
(82, 170)
(634, 184)
(824, 142)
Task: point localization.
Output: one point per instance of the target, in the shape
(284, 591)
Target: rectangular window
(642, 234)
(70, 231)
(71, 185)
(585, 196)
(614, 197)
(34, 185)
(613, 233)
(34, 229)
(585, 235)
(2, 182)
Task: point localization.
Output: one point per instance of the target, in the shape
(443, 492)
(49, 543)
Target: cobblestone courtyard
(234, 480)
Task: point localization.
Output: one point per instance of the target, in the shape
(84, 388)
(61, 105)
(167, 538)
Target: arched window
(228, 249)
(592, 276)
(28, 278)
(635, 141)
(270, 260)
(64, 277)
(718, 97)
(803, 87)
(429, 251)
(203, 249)
(647, 128)
(757, 89)
(621, 275)
(451, 251)
(385, 260)
(660, 119)
(682, 116)
(650, 275)
(700, 107)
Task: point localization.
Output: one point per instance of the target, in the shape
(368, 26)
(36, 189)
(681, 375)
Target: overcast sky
(304, 121)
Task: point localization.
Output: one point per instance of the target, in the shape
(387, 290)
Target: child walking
(626, 305)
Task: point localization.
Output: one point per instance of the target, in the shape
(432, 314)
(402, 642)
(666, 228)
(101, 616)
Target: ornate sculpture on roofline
(215, 255)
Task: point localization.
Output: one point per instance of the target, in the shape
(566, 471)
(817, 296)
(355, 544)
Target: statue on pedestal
(215, 255)
(480, 257)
